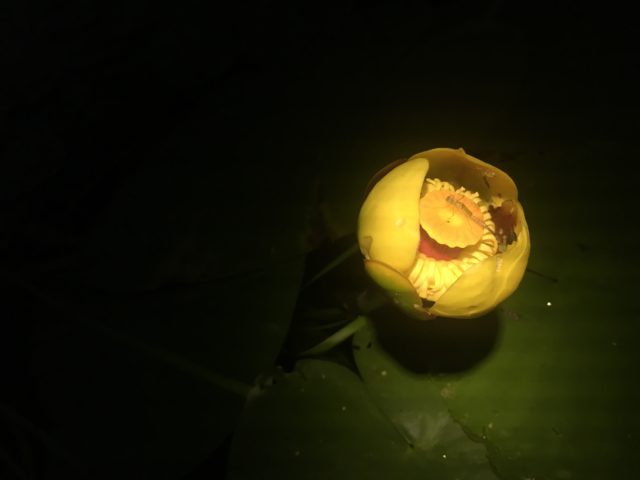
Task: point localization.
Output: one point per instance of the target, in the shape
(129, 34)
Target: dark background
(165, 170)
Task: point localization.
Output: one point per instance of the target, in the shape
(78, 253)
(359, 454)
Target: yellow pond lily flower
(444, 234)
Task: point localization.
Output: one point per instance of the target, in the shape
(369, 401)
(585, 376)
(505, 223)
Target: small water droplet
(344, 408)
(548, 304)
(297, 453)
(383, 373)
(444, 455)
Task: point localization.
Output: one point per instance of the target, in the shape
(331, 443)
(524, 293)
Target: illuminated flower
(444, 234)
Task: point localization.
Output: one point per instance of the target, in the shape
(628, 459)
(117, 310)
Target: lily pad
(156, 398)
(416, 406)
(546, 402)
(178, 298)
(551, 403)
(319, 421)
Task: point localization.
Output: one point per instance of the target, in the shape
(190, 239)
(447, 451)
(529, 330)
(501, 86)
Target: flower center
(451, 218)
(456, 232)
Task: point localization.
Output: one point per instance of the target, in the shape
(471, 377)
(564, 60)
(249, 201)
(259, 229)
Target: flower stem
(338, 337)
(331, 265)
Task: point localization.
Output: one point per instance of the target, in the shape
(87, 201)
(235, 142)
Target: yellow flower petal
(388, 226)
(456, 166)
(483, 286)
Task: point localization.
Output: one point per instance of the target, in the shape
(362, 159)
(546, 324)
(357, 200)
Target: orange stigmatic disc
(451, 218)
(458, 233)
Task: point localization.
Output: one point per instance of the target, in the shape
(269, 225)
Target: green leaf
(550, 402)
(319, 421)
(415, 405)
(316, 422)
(155, 383)
(546, 402)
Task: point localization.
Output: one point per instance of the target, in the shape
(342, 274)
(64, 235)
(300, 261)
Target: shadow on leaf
(438, 346)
